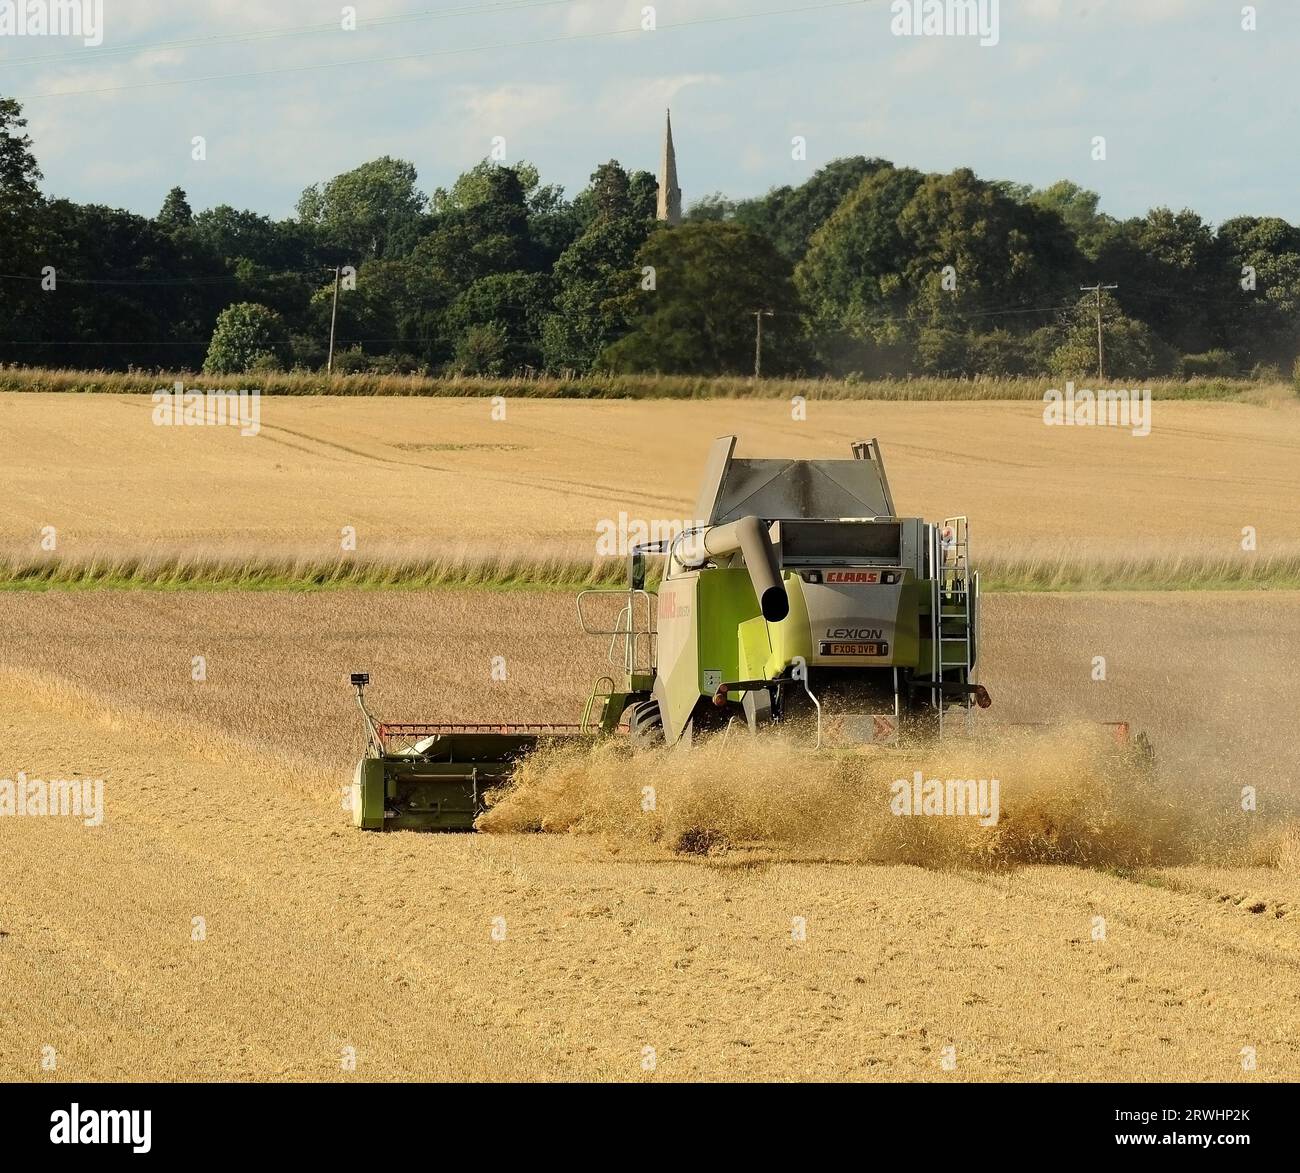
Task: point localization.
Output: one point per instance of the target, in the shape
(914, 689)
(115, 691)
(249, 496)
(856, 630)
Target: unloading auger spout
(749, 538)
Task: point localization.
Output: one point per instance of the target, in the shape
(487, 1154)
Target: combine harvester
(801, 601)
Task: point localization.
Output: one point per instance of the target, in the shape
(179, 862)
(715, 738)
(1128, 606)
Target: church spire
(670, 195)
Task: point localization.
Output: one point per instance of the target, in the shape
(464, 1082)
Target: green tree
(1000, 353)
(614, 191)
(1133, 351)
(268, 245)
(176, 211)
(943, 253)
(711, 207)
(515, 302)
(398, 306)
(20, 207)
(375, 210)
(710, 278)
(276, 263)
(19, 174)
(553, 221)
(942, 352)
(488, 235)
(850, 278)
(247, 335)
(790, 216)
(1077, 208)
(1169, 270)
(128, 292)
(478, 265)
(477, 185)
(997, 254)
(596, 270)
(481, 350)
(1259, 307)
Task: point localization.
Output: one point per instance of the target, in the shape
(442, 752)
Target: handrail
(630, 632)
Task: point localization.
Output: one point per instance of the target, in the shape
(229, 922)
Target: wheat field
(592, 952)
(442, 479)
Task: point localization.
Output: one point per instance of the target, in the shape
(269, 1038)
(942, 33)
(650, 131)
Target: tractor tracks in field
(1146, 901)
(563, 487)
(206, 929)
(369, 457)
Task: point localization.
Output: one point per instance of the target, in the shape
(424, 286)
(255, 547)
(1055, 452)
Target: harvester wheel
(646, 725)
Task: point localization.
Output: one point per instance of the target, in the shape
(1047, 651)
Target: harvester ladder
(607, 684)
(952, 605)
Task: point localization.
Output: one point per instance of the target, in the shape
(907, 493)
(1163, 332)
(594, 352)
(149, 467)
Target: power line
(163, 282)
(1040, 309)
(203, 342)
(430, 53)
(313, 272)
(144, 342)
(920, 322)
(295, 274)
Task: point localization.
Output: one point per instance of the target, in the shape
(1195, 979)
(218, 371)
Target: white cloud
(921, 56)
(516, 105)
(1049, 10)
(1138, 70)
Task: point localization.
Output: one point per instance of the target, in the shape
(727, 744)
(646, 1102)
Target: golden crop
(438, 480)
(226, 921)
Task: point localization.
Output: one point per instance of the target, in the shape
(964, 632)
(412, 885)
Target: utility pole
(334, 313)
(759, 315)
(1101, 346)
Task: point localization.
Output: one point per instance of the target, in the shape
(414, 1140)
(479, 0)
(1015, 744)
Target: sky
(1195, 110)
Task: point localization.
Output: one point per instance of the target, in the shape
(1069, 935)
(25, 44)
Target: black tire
(646, 726)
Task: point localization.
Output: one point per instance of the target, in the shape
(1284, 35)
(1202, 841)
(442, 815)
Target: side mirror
(636, 571)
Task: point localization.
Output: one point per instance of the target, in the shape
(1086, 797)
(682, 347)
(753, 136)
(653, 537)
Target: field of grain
(441, 477)
(609, 956)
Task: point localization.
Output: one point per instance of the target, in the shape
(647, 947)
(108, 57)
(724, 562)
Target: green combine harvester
(800, 600)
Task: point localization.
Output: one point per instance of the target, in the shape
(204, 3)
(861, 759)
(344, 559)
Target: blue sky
(1196, 112)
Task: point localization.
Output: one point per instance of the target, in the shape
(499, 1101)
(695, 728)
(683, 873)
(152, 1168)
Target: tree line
(865, 270)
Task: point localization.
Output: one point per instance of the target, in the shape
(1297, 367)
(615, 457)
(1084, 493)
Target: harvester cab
(801, 597)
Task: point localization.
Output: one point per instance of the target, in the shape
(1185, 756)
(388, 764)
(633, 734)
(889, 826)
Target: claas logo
(852, 576)
(671, 608)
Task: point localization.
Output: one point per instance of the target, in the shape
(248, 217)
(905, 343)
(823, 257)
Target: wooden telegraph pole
(1101, 345)
(759, 315)
(334, 313)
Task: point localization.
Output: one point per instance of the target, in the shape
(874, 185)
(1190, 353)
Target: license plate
(838, 648)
